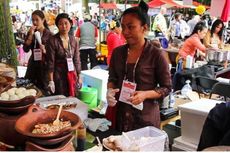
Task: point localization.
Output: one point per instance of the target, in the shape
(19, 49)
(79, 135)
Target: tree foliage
(7, 42)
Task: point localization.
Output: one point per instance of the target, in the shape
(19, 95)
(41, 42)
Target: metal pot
(216, 55)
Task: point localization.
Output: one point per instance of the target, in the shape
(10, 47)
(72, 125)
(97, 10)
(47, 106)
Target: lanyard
(69, 50)
(134, 69)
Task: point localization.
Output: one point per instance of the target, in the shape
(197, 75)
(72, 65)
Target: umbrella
(226, 11)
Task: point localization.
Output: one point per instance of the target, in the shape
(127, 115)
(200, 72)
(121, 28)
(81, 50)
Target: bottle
(81, 136)
(171, 99)
(186, 88)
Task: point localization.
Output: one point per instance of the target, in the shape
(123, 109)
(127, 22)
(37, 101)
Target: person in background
(36, 69)
(63, 59)
(192, 23)
(178, 27)
(87, 34)
(213, 38)
(138, 63)
(160, 24)
(114, 38)
(193, 43)
(51, 20)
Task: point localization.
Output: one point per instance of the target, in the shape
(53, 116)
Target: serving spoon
(57, 121)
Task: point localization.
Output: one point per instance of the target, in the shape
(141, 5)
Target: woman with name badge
(35, 41)
(139, 76)
(63, 59)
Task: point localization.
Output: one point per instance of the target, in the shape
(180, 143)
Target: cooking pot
(8, 134)
(66, 145)
(17, 103)
(15, 110)
(52, 141)
(37, 115)
(216, 55)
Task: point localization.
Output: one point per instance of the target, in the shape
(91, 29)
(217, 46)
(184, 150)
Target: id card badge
(70, 64)
(37, 54)
(127, 89)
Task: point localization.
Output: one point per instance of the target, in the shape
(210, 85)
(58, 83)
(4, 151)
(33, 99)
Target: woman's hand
(110, 96)
(138, 97)
(79, 83)
(43, 49)
(32, 30)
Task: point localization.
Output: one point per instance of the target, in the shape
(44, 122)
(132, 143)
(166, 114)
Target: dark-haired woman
(63, 59)
(114, 38)
(213, 38)
(36, 69)
(138, 63)
(193, 43)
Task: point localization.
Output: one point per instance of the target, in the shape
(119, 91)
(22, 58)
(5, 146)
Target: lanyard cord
(69, 50)
(134, 69)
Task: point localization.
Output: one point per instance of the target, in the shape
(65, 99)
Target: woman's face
(218, 28)
(64, 26)
(202, 33)
(37, 21)
(132, 29)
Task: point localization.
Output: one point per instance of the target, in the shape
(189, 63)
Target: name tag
(37, 54)
(127, 89)
(70, 64)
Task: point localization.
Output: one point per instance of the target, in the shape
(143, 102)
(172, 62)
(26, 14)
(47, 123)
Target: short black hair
(141, 12)
(199, 27)
(62, 16)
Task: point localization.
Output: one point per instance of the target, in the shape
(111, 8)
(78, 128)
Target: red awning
(157, 3)
(108, 6)
(226, 11)
(197, 4)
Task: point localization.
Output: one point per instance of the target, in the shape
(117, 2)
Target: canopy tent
(108, 5)
(225, 16)
(157, 3)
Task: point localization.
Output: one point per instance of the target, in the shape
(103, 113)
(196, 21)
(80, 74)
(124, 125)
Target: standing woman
(213, 38)
(138, 63)
(63, 59)
(114, 38)
(36, 69)
(193, 43)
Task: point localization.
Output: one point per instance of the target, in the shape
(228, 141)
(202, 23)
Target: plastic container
(186, 88)
(89, 96)
(157, 144)
(171, 99)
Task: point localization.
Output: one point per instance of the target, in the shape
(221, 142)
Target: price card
(70, 64)
(128, 88)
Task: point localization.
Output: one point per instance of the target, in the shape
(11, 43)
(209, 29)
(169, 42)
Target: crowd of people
(139, 75)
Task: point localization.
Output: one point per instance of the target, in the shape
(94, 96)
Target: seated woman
(193, 43)
(213, 38)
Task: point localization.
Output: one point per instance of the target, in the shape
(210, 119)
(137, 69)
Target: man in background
(87, 34)
(160, 24)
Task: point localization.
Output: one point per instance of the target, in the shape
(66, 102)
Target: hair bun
(143, 6)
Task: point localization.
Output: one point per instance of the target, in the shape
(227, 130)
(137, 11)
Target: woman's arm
(50, 57)
(207, 40)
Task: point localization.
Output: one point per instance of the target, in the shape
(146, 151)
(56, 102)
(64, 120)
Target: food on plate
(65, 106)
(3, 79)
(5, 96)
(17, 93)
(50, 127)
(120, 143)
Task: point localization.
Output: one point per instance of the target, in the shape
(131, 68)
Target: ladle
(57, 121)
